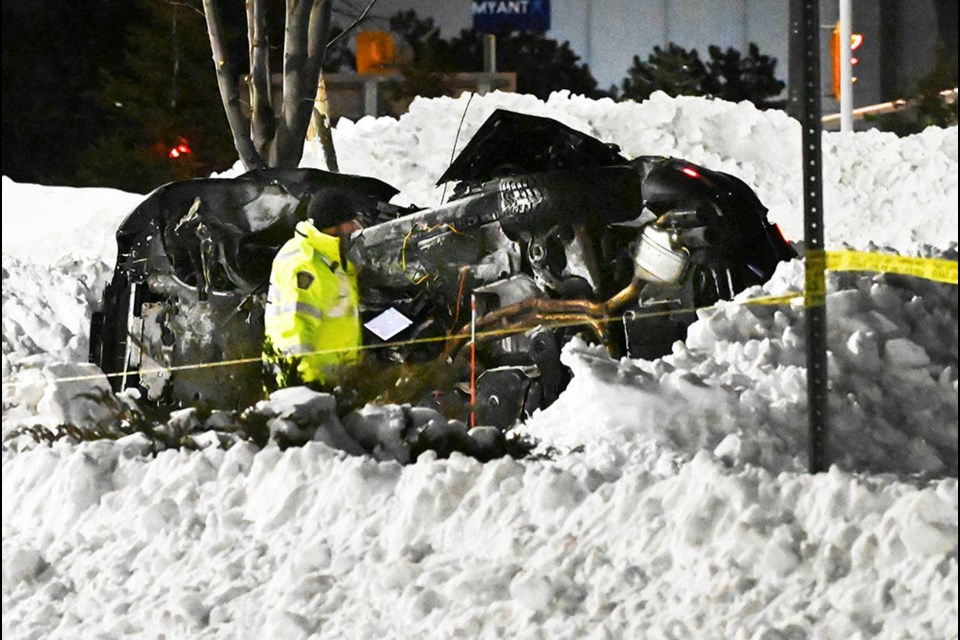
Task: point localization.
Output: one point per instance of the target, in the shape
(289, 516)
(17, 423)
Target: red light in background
(180, 150)
(856, 39)
(693, 173)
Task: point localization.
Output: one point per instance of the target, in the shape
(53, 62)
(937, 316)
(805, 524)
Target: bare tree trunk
(320, 17)
(274, 135)
(229, 93)
(319, 115)
(307, 25)
(320, 127)
(294, 58)
(263, 120)
(320, 120)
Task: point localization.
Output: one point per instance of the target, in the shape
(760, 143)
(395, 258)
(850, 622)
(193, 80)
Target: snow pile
(668, 500)
(45, 224)
(46, 332)
(99, 539)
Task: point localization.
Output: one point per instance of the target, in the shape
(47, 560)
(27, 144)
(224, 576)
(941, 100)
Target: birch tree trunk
(272, 135)
(229, 93)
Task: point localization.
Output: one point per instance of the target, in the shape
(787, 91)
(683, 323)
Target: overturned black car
(549, 233)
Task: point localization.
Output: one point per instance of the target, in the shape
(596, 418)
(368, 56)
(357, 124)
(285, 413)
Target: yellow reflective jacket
(311, 320)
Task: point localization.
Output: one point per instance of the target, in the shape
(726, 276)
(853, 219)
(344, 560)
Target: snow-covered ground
(670, 498)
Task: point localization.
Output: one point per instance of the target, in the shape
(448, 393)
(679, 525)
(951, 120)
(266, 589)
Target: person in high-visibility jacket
(311, 320)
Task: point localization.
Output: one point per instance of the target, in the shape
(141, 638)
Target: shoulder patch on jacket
(304, 279)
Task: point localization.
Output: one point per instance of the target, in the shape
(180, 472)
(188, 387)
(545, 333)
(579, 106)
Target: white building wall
(609, 33)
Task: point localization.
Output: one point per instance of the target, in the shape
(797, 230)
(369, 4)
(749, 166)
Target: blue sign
(503, 16)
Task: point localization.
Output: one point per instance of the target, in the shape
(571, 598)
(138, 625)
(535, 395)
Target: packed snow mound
(100, 539)
(46, 333)
(47, 224)
(669, 498)
(302, 543)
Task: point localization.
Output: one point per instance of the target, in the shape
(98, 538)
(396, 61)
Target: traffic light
(856, 39)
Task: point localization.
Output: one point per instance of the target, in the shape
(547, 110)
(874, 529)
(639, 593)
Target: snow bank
(99, 539)
(669, 498)
(46, 224)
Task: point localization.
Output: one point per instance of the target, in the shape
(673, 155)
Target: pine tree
(735, 78)
(726, 75)
(675, 71)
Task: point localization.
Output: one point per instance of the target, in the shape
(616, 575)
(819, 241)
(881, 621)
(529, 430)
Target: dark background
(97, 93)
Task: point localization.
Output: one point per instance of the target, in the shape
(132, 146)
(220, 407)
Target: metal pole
(490, 53)
(371, 98)
(846, 67)
(805, 103)
(473, 360)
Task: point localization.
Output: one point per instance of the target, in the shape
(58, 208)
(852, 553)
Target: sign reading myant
(503, 16)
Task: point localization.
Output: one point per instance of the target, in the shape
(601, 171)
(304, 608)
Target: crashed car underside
(551, 232)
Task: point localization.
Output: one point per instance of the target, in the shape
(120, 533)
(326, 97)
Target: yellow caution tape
(769, 300)
(935, 269)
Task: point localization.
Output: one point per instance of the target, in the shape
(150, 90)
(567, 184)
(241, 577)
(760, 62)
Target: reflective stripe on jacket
(312, 316)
